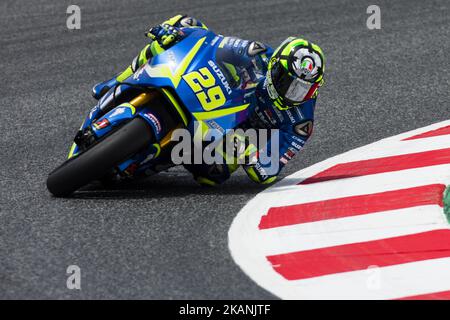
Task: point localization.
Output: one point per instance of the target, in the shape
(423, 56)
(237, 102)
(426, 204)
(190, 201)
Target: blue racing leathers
(247, 63)
(294, 129)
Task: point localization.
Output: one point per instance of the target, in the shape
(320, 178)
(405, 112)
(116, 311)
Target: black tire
(98, 160)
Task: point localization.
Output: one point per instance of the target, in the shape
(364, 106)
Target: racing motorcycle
(128, 133)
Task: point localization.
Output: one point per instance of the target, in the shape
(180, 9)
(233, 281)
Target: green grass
(447, 203)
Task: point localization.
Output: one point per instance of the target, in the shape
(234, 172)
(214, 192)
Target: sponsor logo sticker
(118, 111)
(101, 124)
(304, 129)
(155, 121)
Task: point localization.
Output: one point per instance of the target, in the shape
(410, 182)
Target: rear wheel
(100, 159)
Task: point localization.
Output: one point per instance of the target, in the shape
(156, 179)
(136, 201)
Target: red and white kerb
(367, 224)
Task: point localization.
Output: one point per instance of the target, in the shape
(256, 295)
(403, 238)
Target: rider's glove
(164, 34)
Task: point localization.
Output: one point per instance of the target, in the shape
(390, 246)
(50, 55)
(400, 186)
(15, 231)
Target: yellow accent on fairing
(158, 149)
(74, 145)
(205, 128)
(219, 113)
(124, 75)
(160, 71)
(164, 71)
(187, 61)
(175, 103)
(72, 149)
(128, 105)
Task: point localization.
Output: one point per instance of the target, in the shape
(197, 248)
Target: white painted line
(333, 189)
(328, 233)
(403, 280)
(402, 147)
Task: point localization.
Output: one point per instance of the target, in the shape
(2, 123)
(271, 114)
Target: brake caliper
(84, 138)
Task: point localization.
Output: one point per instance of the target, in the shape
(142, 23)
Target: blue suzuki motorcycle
(128, 133)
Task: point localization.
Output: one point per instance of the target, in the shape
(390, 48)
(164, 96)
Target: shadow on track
(167, 186)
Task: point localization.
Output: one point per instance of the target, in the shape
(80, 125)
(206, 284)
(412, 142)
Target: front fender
(112, 119)
(125, 112)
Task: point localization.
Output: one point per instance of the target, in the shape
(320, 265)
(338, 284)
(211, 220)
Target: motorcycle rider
(285, 82)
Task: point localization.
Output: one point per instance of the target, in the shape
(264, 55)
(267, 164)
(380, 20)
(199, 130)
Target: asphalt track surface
(166, 237)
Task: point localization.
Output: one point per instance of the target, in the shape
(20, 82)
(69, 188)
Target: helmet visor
(289, 87)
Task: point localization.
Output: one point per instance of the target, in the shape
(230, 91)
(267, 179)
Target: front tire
(98, 160)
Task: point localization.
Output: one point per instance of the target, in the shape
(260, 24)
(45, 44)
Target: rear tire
(98, 160)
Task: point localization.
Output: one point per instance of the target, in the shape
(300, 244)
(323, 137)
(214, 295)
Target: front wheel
(100, 159)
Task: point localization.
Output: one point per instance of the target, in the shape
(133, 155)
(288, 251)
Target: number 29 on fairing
(203, 83)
